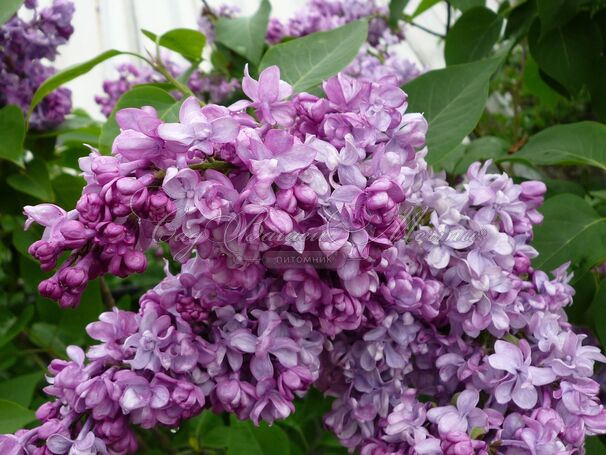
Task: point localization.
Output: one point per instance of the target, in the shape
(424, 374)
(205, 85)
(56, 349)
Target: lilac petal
(452, 422)
(468, 399)
(239, 105)
(333, 239)
(224, 130)
(438, 257)
(160, 397)
(541, 376)
(44, 214)
(58, 444)
(250, 87)
(190, 110)
(261, 367)
(524, 395)
(346, 193)
(243, 341)
(351, 175)
(269, 81)
(503, 391)
(508, 357)
(280, 220)
(299, 157)
(177, 132)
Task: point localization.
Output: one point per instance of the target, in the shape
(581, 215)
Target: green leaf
(68, 189)
(171, 115)
(464, 5)
(594, 445)
(11, 326)
(307, 61)
(473, 36)
(571, 231)
(245, 35)
(8, 8)
(71, 73)
(534, 85)
(136, 97)
(452, 100)
(12, 132)
(20, 389)
(13, 416)
(568, 54)
(396, 10)
(424, 6)
(261, 440)
(580, 143)
(554, 13)
(482, 149)
(34, 180)
(187, 42)
(520, 19)
(46, 336)
(597, 313)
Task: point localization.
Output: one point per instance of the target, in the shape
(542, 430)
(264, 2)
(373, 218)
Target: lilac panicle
(317, 249)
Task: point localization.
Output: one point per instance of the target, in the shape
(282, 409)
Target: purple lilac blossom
(26, 48)
(423, 317)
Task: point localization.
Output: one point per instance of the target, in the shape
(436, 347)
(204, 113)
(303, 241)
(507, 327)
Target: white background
(115, 24)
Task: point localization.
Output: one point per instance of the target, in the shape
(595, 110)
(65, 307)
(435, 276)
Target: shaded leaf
(396, 10)
(185, 41)
(20, 389)
(11, 326)
(464, 5)
(71, 73)
(481, 149)
(580, 143)
(307, 61)
(33, 180)
(12, 132)
(452, 100)
(424, 6)
(568, 54)
(13, 416)
(473, 36)
(245, 35)
(8, 8)
(261, 440)
(571, 231)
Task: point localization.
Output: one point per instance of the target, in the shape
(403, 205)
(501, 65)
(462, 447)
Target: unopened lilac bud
(73, 277)
(114, 233)
(305, 195)
(75, 234)
(105, 168)
(44, 252)
(90, 209)
(135, 261)
(50, 288)
(228, 391)
(285, 199)
(69, 300)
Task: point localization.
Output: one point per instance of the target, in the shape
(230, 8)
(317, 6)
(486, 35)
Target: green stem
(221, 166)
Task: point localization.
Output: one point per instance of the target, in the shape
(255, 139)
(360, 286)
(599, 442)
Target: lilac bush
(26, 48)
(317, 248)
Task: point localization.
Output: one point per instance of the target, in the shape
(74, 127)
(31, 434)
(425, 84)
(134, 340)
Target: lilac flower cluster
(378, 58)
(318, 249)
(25, 47)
